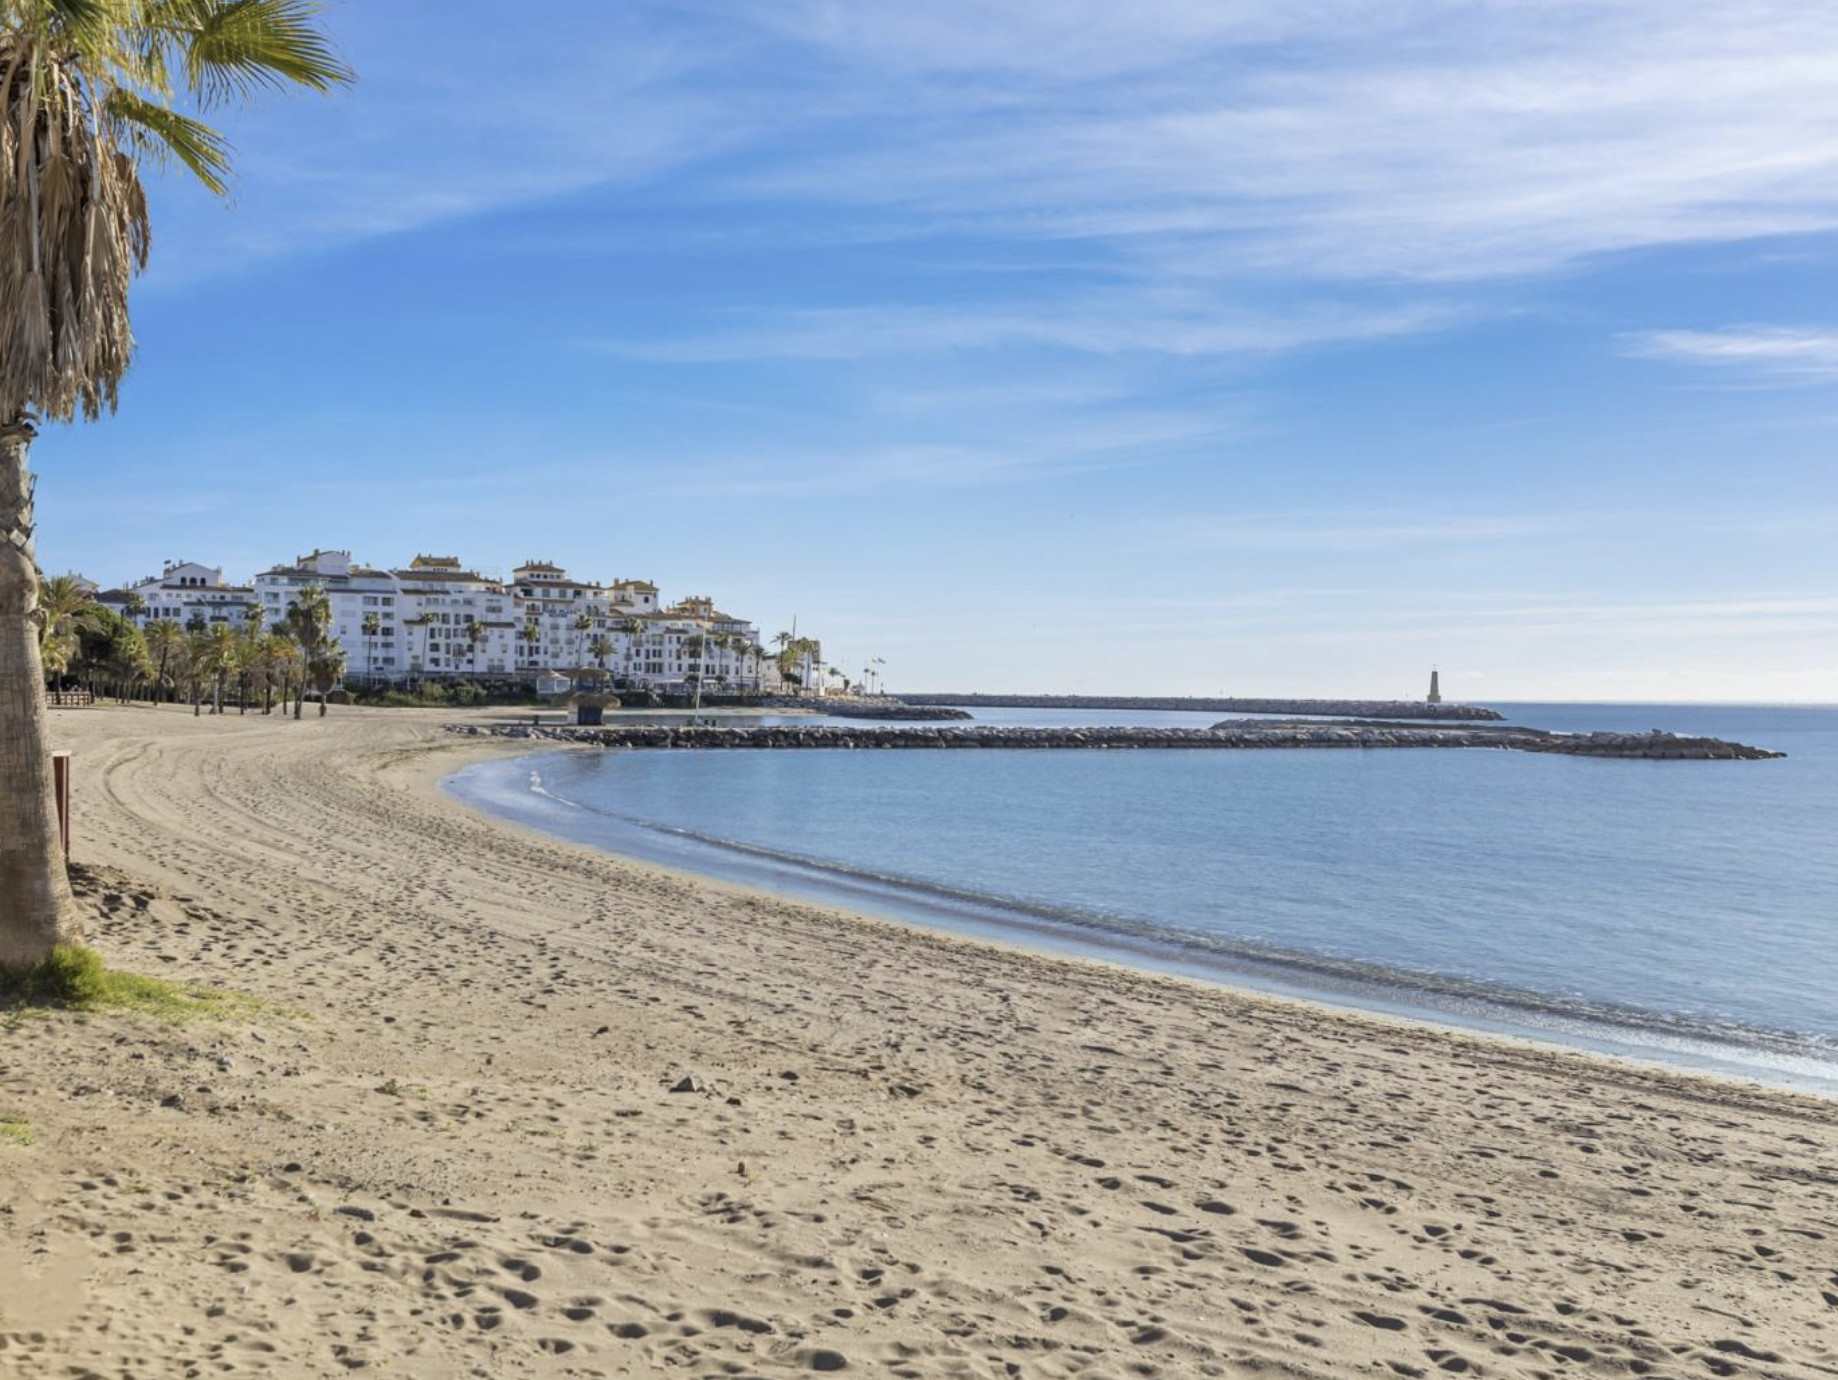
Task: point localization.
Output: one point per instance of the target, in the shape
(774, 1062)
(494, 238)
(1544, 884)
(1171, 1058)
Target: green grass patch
(16, 1133)
(72, 977)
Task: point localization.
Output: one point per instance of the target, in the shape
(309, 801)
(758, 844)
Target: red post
(60, 774)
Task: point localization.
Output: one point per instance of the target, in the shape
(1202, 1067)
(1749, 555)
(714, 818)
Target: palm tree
(696, 644)
(165, 639)
(724, 646)
(325, 669)
(424, 621)
(795, 658)
(476, 633)
(87, 93)
(64, 609)
(308, 617)
(633, 630)
(600, 649)
(372, 626)
(196, 664)
(430, 624)
(222, 661)
(280, 658)
(583, 624)
(55, 657)
(125, 658)
(256, 666)
(248, 655)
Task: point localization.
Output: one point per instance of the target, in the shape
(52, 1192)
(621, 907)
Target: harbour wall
(1337, 709)
(1651, 746)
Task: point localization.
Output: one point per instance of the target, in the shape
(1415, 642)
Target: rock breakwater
(868, 709)
(1655, 746)
(1335, 709)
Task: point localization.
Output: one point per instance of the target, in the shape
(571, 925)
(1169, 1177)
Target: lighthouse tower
(1435, 686)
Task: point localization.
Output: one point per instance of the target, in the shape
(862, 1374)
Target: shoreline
(895, 1152)
(1651, 1039)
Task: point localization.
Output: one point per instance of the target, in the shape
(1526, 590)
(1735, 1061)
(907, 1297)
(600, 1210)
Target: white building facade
(193, 596)
(434, 619)
(438, 619)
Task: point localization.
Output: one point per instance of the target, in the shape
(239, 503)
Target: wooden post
(60, 774)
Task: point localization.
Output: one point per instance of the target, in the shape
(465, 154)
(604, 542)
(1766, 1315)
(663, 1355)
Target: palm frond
(160, 133)
(90, 91)
(244, 48)
(81, 16)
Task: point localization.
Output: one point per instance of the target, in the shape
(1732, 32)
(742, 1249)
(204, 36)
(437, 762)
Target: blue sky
(1191, 346)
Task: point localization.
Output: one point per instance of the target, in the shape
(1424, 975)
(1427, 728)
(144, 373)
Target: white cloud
(1116, 441)
(1115, 323)
(1431, 141)
(1204, 139)
(454, 114)
(1340, 532)
(1791, 353)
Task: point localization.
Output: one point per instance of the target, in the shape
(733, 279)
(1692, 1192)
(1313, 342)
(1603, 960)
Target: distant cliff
(1338, 709)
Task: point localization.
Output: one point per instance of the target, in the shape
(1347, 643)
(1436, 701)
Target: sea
(1680, 913)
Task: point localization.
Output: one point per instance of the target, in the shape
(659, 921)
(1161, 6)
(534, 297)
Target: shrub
(70, 975)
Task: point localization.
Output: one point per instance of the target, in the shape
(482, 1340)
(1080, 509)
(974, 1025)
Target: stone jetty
(1656, 746)
(837, 708)
(1333, 709)
(1238, 735)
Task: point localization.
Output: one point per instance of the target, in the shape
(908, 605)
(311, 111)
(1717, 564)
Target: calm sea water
(1679, 911)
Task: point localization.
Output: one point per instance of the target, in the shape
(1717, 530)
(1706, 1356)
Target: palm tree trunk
(36, 909)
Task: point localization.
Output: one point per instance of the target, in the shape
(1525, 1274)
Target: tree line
(204, 663)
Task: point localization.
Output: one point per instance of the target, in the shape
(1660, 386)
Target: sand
(451, 1146)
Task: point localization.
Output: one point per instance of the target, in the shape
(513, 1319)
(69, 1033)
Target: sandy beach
(514, 1108)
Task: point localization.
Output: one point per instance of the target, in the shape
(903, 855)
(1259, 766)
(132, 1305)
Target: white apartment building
(460, 623)
(438, 619)
(569, 624)
(693, 641)
(185, 593)
(433, 619)
(559, 619)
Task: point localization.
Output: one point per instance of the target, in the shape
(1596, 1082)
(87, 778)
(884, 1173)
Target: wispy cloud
(1111, 324)
(1791, 353)
(457, 115)
(1118, 441)
(1425, 140)
(1345, 532)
